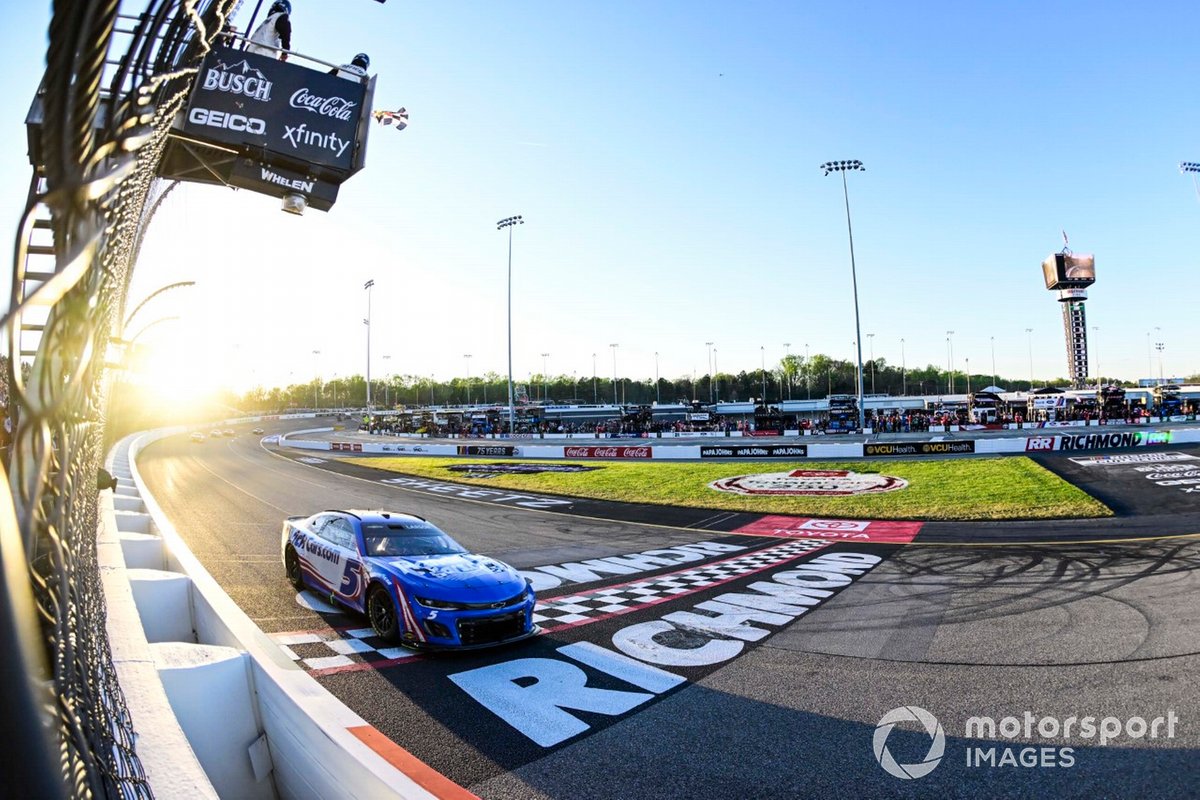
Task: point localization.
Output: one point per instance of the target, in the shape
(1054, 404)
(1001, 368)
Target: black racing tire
(291, 565)
(381, 612)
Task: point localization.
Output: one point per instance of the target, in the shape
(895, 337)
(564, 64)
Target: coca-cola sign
(608, 452)
(322, 105)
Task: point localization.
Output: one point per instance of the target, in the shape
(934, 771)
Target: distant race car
(258, 431)
(214, 434)
(197, 437)
(415, 584)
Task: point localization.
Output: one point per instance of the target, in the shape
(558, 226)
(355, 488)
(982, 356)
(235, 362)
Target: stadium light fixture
(1192, 167)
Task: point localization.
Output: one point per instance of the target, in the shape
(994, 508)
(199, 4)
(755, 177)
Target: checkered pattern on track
(327, 652)
(330, 651)
(595, 604)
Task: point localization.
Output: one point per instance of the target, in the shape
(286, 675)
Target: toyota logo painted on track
(810, 482)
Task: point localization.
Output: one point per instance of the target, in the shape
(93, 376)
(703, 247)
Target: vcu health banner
(920, 448)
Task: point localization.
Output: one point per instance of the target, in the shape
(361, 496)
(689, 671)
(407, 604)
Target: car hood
(448, 577)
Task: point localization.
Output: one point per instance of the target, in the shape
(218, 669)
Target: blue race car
(415, 584)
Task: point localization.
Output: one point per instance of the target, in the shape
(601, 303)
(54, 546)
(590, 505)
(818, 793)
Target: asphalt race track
(686, 659)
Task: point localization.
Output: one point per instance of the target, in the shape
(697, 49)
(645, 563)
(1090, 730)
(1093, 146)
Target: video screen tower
(1070, 274)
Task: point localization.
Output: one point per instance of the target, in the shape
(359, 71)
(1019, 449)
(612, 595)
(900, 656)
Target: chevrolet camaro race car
(415, 584)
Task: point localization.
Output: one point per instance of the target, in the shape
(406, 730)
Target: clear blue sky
(665, 158)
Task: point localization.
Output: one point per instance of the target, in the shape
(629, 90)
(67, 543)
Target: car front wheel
(382, 613)
(291, 563)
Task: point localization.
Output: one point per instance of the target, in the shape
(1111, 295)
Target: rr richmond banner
(755, 451)
(1097, 441)
(920, 448)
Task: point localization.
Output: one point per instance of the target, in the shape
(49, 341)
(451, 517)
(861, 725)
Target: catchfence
(115, 78)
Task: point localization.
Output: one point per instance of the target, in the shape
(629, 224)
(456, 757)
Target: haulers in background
(275, 32)
(356, 70)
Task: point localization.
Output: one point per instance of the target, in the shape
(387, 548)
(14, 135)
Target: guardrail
(221, 710)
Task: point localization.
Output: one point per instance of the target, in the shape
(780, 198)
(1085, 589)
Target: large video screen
(1069, 270)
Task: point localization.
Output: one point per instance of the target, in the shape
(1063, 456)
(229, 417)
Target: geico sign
(222, 119)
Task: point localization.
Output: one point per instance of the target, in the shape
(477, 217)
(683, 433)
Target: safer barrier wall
(293, 738)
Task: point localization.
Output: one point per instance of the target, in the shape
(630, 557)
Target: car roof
(377, 515)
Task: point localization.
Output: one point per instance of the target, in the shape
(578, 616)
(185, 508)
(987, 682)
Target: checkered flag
(398, 118)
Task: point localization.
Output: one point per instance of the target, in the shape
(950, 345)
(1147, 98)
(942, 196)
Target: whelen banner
(754, 451)
(252, 101)
(920, 448)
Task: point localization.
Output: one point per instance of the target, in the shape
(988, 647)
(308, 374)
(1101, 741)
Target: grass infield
(966, 489)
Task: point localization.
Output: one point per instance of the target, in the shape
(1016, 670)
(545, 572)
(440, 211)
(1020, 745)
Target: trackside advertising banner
(920, 448)
(607, 452)
(487, 450)
(754, 451)
(1096, 441)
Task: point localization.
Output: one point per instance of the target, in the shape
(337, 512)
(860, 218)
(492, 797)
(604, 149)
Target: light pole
(787, 360)
(1192, 167)
(714, 369)
(1029, 334)
(903, 371)
(995, 379)
(467, 357)
(1159, 346)
(871, 342)
(386, 385)
(843, 167)
(762, 351)
(367, 322)
(1157, 334)
(545, 379)
(614, 354)
(968, 362)
(710, 372)
(657, 385)
(595, 395)
(510, 223)
(1096, 353)
(316, 382)
(807, 374)
(950, 362)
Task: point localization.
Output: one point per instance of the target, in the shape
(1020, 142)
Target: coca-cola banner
(254, 101)
(607, 452)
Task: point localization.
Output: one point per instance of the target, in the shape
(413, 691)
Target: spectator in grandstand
(356, 70)
(275, 33)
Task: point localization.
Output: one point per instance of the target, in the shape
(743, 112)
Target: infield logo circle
(812, 482)
(937, 744)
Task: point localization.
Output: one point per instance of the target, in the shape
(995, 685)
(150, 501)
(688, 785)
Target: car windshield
(407, 539)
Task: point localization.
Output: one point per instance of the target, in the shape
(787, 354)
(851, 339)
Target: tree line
(794, 377)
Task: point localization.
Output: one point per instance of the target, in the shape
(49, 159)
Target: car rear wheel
(291, 563)
(382, 613)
